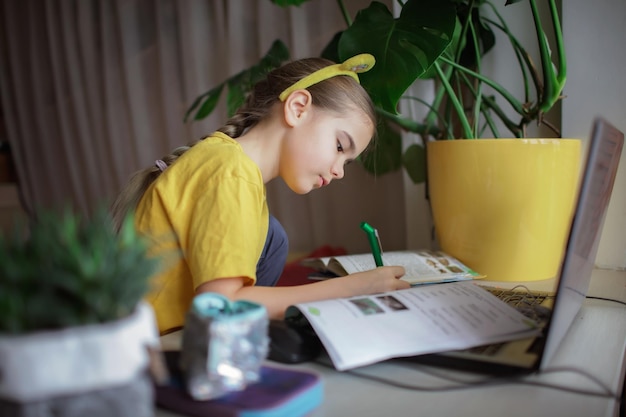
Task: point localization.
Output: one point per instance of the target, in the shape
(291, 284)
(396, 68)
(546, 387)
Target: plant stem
(560, 45)
(501, 90)
(515, 129)
(434, 113)
(479, 92)
(467, 129)
(344, 13)
(408, 124)
(490, 104)
(428, 127)
(520, 54)
(553, 83)
(546, 63)
(464, 30)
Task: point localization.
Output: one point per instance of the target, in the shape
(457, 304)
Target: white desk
(596, 343)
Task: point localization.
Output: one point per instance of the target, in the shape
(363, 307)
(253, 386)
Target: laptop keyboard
(488, 350)
(519, 296)
(530, 303)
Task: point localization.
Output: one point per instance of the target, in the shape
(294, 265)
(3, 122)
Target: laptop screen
(603, 156)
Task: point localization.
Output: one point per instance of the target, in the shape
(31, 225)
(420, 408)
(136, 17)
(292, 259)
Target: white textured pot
(45, 369)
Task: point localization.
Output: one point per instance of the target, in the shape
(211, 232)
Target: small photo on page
(392, 302)
(367, 306)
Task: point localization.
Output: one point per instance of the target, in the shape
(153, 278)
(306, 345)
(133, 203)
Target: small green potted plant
(75, 335)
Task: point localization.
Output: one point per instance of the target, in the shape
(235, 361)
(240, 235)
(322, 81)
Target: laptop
(554, 311)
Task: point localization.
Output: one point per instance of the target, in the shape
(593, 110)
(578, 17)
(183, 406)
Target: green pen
(374, 239)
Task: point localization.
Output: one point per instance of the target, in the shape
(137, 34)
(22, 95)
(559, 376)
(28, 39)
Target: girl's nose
(337, 171)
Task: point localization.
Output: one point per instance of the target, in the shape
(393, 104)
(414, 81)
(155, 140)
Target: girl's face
(318, 148)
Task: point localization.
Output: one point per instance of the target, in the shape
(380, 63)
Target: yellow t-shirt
(208, 215)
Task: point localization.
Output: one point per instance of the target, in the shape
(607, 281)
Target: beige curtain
(93, 90)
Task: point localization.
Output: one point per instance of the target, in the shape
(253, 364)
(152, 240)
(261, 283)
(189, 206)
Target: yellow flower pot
(504, 206)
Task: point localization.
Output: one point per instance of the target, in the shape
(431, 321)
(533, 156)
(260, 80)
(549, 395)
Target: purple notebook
(280, 392)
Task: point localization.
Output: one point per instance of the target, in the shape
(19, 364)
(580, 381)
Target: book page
(320, 264)
(362, 330)
(421, 266)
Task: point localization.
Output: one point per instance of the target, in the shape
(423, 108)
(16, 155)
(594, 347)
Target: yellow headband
(350, 67)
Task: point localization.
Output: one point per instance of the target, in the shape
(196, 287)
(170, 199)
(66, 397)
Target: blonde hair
(338, 94)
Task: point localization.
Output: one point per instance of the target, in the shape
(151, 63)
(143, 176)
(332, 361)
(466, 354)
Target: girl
(303, 123)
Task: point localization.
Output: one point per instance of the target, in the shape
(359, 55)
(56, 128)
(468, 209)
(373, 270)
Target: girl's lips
(323, 181)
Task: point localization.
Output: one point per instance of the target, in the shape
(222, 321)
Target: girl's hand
(381, 279)
(277, 299)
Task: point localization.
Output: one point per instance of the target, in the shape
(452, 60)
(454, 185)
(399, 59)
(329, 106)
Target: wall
(594, 34)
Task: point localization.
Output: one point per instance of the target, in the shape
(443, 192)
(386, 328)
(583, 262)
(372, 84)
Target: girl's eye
(339, 147)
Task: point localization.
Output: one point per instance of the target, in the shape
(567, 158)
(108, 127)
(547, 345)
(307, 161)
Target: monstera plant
(443, 40)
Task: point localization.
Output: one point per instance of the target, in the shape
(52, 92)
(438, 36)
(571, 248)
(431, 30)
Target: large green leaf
(404, 47)
(331, 51)
(414, 162)
(386, 153)
(209, 100)
(482, 33)
(456, 43)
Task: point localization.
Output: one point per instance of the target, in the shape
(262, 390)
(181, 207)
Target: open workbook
(362, 330)
(422, 267)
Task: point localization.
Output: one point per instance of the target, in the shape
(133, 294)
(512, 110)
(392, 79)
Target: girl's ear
(297, 105)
